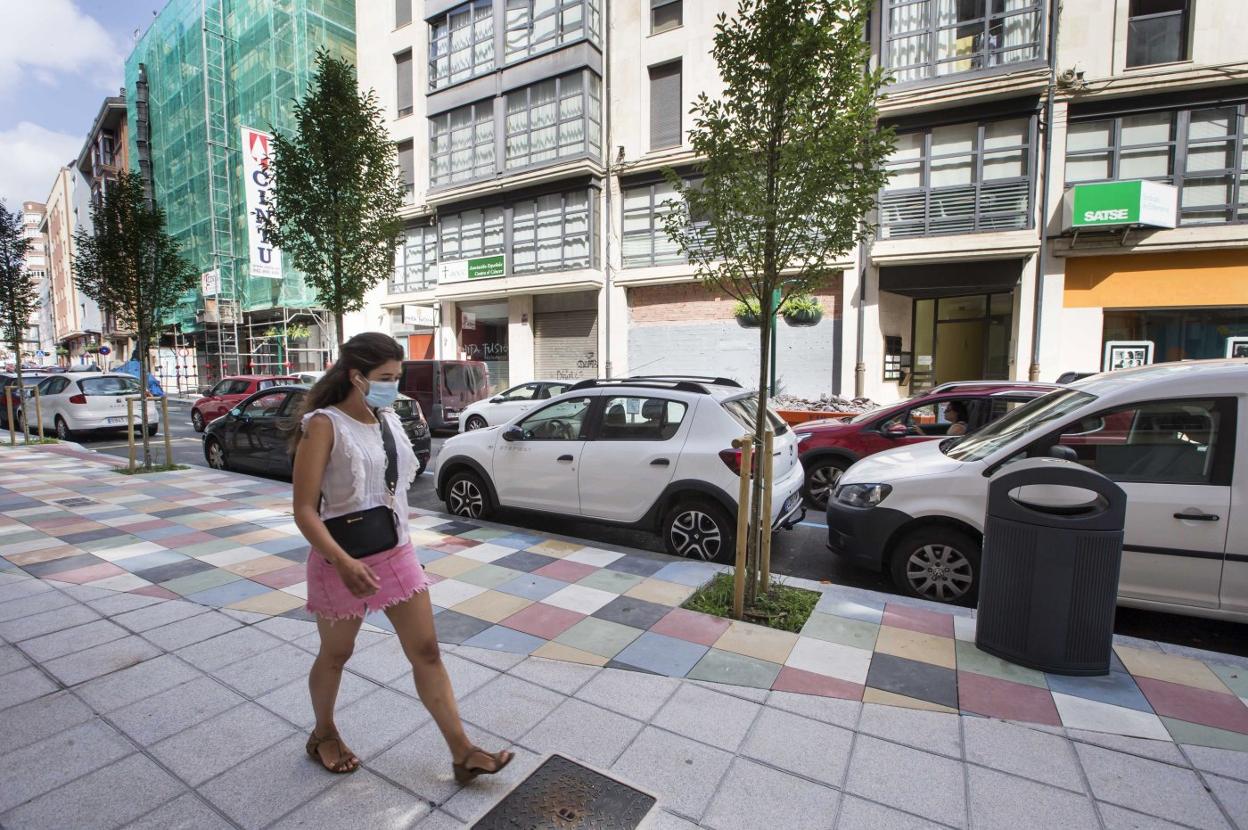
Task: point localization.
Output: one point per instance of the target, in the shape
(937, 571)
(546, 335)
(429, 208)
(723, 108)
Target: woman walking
(352, 467)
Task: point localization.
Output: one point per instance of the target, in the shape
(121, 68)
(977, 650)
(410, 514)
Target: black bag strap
(392, 453)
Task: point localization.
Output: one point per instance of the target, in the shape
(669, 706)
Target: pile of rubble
(824, 403)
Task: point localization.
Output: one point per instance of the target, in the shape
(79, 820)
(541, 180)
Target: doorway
(965, 337)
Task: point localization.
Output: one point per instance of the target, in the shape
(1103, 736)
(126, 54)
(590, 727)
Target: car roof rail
(711, 379)
(657, 383)
(972, 384)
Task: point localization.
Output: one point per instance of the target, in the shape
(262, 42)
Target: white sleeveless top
(355, 477)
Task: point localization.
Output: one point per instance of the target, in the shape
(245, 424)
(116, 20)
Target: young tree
(337, 191)
(792, 162)
(19, 295)
(133, 269)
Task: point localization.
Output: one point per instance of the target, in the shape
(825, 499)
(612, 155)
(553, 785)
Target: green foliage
(781, 606)
(19, 295)
(337, 188)
(745, 308)
(801, 303)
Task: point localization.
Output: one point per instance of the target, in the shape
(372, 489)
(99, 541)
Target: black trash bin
(1049, 572)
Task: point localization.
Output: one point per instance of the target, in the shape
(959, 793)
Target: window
(1199, 151)
(472, 233)
(461, 144)
(461, 43)
(1178, 334)
(265, 405)
(665, 106)
(527, 392)
(645, 241)
(551, 233)
(293, 404)
(931, 418)
(554, 119)
(665, 15)
(932, 38)
(416, 260)
(108, 386)
(404, 82)
(407, 170)
(402, 12)
(553, 390)
(959, 178)
(641, 419)
(54, 386)
(535, 26)
(561, 421)
(1166, 442)
(463, 379)
(1156, 32)
(745, 410)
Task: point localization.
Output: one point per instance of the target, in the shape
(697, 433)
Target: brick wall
(692, 301)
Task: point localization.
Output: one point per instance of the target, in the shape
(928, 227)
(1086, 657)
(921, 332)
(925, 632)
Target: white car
(647, 453)
(1171, 435)
(505, 406)
(79, 402)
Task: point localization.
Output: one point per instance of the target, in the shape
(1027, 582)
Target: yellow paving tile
(558, 651)
(272, 603)
(914, 645)
(77, 527)
(45, 555)
(660, 591)
(204, 521)
(258, 536)
(452, 566)
(870, 695)
(494, 606)
(1170, 667)
(557, 549)
(261, 565)
(758, 642)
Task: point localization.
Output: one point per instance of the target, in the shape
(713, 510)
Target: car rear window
(462, 379)
(745, 411)
(109, 386)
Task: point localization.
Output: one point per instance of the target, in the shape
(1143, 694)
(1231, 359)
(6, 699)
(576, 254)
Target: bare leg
(337, 643)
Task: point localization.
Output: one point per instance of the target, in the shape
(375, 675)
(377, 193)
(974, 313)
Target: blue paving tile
(501, 638)
(524, 560)
(145, 561)
(1116, 688)
(283, 545)
(519, 541)
(379, 619)
(155, 534)
(531, 586)
(427, 555)
(661, 654)
(638, 565)
(693, 574)
(231, 592)
(862, 610)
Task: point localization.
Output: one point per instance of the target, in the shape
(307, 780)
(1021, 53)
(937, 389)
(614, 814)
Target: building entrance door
(961, 338)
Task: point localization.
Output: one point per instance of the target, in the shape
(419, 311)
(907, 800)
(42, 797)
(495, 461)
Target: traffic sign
(41, 353)
(105, 350)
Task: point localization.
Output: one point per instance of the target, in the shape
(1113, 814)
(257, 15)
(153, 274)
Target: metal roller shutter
(565, 345)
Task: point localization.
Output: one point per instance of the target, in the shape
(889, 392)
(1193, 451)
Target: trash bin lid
(1053, 492)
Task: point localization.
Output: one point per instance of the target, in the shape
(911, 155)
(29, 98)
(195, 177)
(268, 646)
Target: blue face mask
(381, 393)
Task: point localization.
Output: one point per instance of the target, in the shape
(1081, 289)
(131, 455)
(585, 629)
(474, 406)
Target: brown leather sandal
(345, 765)
(465, 773)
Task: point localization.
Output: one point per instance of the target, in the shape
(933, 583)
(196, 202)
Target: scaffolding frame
(272, 353)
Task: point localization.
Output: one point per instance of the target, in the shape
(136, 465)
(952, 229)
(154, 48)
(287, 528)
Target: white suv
(647, 452)
(1173, 436)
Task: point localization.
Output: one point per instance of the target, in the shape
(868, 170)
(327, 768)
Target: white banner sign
(210, 283)
(266, 260)
(419, 315)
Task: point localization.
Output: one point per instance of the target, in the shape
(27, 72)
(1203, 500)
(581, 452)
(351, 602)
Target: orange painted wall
(1204, 278)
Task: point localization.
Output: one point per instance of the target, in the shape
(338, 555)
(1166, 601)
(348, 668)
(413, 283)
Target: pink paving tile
(1002, 699)
(702, 629)
(155, 591)
(916, 619)
(186, 539)
(89, 574)
(809, 683)
(566, 571)
(1173, 700)
(150, 524)
(433, 578)
(283, 577)
(453, 544)
(545, 621)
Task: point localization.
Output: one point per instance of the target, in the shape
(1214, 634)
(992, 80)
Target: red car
(827, 448)
(229, 393)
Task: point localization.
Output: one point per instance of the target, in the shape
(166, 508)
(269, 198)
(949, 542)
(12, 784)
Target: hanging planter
(803, 310)
(747, 314)
(297, 332)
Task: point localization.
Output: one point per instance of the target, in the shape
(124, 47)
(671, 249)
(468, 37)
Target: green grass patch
(155, 468)
(782, 606)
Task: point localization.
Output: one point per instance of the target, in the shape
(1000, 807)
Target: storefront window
(1179, 334)
(483, 336)
(961, 338)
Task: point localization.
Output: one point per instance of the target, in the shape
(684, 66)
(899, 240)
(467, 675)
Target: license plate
(116, 420)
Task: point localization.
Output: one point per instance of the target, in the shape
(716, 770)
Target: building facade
(75, 317)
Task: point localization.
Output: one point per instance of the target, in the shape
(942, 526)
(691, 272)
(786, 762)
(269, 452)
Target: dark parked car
(8, 380)
(253, 437)
(229, 393)
(444, 387)
(827, 448)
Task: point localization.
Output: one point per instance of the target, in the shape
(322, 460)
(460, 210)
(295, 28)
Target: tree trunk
(338, 328)
(21, 387)
(147, 445)
(759, 524)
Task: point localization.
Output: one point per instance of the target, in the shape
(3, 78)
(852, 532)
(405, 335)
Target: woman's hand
(358, 577)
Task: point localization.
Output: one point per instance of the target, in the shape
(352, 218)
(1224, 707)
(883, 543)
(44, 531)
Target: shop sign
(1115, 204)
(469, 322)
(1127, 354)
(1237, 347)
(419, 315)
(477, 268)
(210, 283)
(266, 260)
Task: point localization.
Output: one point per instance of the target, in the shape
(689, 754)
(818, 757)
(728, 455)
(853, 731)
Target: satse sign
(1106, 204)
(266, 260)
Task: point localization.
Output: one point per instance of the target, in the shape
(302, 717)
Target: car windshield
(109, 386)
(745, 411)
(1030, 417)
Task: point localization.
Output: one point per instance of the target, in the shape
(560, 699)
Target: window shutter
(403, 66)
(407, 164)
(665, 106)
(402, 12)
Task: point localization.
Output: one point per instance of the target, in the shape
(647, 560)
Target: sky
(59, 60)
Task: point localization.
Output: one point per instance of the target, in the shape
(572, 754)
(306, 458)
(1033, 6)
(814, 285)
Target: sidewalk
(159, 651)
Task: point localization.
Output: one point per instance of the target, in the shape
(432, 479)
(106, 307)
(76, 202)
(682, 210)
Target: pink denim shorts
(398, 570)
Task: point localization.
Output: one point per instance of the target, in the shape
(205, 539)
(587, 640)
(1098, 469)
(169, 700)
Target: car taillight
(78, 399)
(732, 458)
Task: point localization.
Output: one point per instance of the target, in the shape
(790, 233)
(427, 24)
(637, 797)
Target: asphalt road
(798, 552)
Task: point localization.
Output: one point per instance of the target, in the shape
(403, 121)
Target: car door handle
(564, 458)
(1197, 517)
(660, 462)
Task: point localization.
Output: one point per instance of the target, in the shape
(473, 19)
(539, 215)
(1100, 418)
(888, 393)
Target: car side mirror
(236, 413)
(1063, 452)
(897, 430)
(497, 399)
(514, 433)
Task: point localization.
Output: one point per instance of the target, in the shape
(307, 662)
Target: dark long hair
(363, 353)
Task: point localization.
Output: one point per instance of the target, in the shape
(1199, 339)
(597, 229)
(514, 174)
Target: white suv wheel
(465, 497)
(694, 532)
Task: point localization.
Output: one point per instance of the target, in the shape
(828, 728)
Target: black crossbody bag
(376, 529)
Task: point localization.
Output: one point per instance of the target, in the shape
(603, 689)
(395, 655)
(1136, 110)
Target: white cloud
(53, 38)
(32, 155)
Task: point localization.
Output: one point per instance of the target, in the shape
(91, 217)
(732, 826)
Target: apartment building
(75, 316)
(38, 343)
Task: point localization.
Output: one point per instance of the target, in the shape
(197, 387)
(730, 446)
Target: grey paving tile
(228, 648)
(220, 743)
(708, 716)
(113, 691)
(32, 604)
(160, 716)
(753, 796)
(311, 642)
(929, 731)
(121, 603)
(266, 786)
(1120, 818)
(184, 632)
(23, 685)
(800, 745)
(638, 613)
(1149, 786)
(565, 678)
(1233, 796)
(631, 693)
(23, 586)
(69, 640)
(508, 706)
(154, 616)
(1157, 750)
(466, 676)
(264, 672)
(913, 781)
(384, 662)
(40, 718)
(186, 812)
(583, 731)
(422, 763)
(1227, 762)
(684, 774)
(103, 659)
(1022, 751)
(999, 800)
(438, 820)
(85, 593)
(470, 803)
(286, 629)
(497, 660)
(827, 709)
(857, 814)
(108, 797)
(663, 820)
(379, 720)
(735, 670)
(45, 622)
(11, 660)
(47, 764)
(757, 694)
(358, 799)
(925, 681)
(294, 703)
